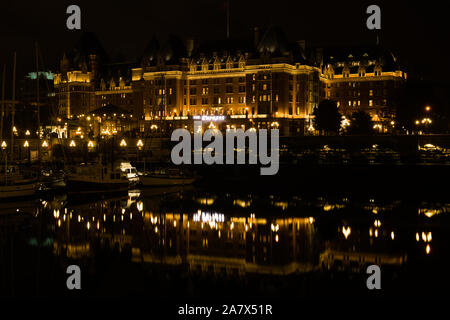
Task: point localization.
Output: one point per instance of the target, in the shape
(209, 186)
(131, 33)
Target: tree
(327, 117)
(361, 123)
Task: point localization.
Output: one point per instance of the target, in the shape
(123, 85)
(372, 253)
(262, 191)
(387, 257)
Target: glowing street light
(123, 143)
(427, 108)
(27, 133)
(90, 144)
(346, 232)
(26, 144)
(72, 144)
(4, 145)
(45, 144)
(140, 144)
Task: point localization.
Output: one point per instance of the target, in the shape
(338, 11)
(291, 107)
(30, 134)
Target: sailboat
(14, 183)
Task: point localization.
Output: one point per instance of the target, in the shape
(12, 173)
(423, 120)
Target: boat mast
(38, 107)
(3, 102)
(13, 107)
(3, 112)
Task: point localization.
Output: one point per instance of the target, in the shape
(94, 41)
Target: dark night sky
(418, 32)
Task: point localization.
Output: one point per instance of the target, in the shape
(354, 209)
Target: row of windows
(355, 93)
(355, 84)
(216, 100)
(355, 103)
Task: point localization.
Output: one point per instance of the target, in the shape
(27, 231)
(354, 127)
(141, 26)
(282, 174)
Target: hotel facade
(265, 82)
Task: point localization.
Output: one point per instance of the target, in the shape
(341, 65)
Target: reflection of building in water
(358, 261)
(203, 241)
(208, 241)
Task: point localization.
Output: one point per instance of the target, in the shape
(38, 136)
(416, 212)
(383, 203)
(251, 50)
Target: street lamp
(427, 108)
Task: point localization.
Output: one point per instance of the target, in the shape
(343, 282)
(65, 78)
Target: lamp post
(4, 145)
(123, 144)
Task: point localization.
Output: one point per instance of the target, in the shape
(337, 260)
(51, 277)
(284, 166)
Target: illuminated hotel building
(362, 79)
(264, 82)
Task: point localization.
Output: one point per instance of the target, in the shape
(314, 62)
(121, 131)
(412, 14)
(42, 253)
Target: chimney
(302, 44)
(189, 46)
(256, 36)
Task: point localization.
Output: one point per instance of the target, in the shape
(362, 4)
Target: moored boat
(16, 184)
(169, 177)
(96, 179)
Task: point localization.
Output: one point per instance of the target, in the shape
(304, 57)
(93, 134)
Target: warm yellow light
(72, 143)
(4, 145)
(346, 232)
(90, 144)
(14, 129)
(45, 144)
(429, 237)
(427, 108)
(140, 143)
(123, 143)
(428, 249)
(27, 132)
(392, 235)
(88, 118)
(26, 144)
(276, 238)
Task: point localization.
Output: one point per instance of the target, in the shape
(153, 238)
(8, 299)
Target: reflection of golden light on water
(88, 225)
(392, 235)
(377, 223)
(417, 237)
(206, 201)
(276, 238)
(376, 233)
(346, 231)
(429, 212)
(428, 249)
(242, 203)
(429, 236)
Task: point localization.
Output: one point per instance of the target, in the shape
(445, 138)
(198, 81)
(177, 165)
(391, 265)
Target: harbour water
(190, 242)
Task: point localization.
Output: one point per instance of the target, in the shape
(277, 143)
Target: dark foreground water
(190, 243)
